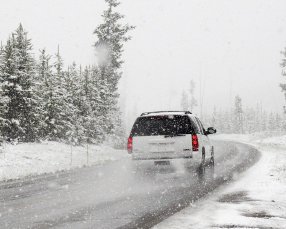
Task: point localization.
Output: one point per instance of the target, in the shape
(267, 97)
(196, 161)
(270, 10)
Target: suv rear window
(162, 125)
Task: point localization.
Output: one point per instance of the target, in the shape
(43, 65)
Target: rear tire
(212, 156)
(203, 162)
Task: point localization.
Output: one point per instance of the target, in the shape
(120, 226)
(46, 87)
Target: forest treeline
(237, 118)
(40, 99)
(249, 120)
(245, 120)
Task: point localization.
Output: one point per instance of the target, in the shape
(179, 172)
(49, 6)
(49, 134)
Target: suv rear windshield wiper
(173, 135)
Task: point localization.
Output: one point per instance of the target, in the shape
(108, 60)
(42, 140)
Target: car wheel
(212, 156)
(203, 157)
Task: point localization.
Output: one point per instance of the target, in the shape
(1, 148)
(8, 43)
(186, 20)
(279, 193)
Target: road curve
(121, 194)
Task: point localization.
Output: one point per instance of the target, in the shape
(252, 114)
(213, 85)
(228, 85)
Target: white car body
(156, 146)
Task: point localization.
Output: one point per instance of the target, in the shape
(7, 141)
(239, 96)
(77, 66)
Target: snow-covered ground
(17, 161)
(255, 199)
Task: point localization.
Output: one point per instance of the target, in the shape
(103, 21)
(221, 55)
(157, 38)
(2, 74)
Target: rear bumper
(161, 156)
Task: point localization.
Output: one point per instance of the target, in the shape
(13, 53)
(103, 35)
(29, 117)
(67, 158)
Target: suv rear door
(166, 134)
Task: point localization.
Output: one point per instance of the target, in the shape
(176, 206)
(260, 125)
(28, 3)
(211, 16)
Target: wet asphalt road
(120, 194)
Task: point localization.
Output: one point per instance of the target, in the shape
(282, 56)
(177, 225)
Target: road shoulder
(26, 160)
(254, 199)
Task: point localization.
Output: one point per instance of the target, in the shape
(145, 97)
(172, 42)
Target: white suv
(168, 135)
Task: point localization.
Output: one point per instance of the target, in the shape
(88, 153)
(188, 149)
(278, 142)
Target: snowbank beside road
(17, 161)
(256, 199)
(273, 142)
(259, 137)
(265, 139)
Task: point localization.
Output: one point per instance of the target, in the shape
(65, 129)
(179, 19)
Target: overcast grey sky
(228, 47)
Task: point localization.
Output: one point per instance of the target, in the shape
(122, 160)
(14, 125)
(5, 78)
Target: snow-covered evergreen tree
(283, 72)
(271, 122)
(61, 106)
(250, 121)
(283, 85)
(213, 121)
(3, 97)
(193, 100)
(72, 99)
(238, 115)
(185, 101)
(45, 93)
(17, 84)
(97, 105)
(58, 65)
(86, 111)
(111, 36)
(51, 94)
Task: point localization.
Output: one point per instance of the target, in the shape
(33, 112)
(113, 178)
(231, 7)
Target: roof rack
(146, 113)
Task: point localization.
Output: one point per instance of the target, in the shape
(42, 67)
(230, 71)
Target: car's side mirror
(211, 130)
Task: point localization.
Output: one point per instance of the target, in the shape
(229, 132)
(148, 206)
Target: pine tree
(85, 107)
(193, 101)
(45, 92)
(238, 115)
(111, 36)
(18, 74)
(283, 85)
(97, 106)
(58, 65)
(214, 118)
(10, 125)
(73, 101)
(251, 121)
(61, 106)
(184, 101)
(51, 101)
(278, 122)
(57, 91)
(271, 122)
(4, 99)
(283, 72)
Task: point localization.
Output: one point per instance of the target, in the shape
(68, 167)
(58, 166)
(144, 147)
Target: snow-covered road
(255, 199)
(117, 194)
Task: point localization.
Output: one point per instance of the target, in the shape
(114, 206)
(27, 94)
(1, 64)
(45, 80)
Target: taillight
(129, 145)
(195, 142)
